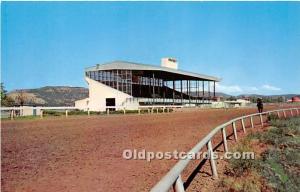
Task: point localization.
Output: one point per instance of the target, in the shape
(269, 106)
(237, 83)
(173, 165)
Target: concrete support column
(214, 89)
(203, 92)
(173, 92)
(181, 92)
(208, 86)
(153, 87)
(164, 91)
(189, 91)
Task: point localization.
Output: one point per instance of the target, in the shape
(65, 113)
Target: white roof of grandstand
(144, 67)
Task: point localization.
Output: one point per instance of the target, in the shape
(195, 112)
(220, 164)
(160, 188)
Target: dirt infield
(85, 154)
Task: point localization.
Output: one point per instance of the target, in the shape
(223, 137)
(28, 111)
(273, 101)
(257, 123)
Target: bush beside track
(277, 167)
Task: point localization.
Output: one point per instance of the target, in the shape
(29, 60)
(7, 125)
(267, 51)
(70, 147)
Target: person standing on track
(260, 105)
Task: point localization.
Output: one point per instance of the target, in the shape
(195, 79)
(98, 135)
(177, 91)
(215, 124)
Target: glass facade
(117, 79)
(150, 85)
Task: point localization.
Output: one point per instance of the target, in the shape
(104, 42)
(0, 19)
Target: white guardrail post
(212, 160)
(261, 120)
(243, 125)
(224, 139)
(234, 131)
(178, 185)
(251, 121)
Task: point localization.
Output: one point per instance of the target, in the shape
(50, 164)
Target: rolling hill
(51, 95)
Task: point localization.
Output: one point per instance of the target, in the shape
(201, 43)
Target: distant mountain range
(51, 95)
(66, 96)
(287, 96)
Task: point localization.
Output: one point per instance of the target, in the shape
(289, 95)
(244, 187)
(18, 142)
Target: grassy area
(277, 165)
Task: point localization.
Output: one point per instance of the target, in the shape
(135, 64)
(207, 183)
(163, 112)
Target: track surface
(85, 154)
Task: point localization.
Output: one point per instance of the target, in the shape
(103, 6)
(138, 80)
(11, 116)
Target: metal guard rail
(173, 177)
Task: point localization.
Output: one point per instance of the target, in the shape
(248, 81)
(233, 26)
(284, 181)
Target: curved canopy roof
(165, 72)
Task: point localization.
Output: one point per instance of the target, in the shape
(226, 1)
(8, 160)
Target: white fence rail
(150, 109)
(173, 177)
(43, 108)
(38, 110)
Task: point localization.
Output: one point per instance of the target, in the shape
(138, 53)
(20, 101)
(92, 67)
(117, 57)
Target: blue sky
(253, 46)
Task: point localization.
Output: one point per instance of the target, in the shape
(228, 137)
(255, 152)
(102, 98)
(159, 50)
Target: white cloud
(270, 88)
(251, 89)
(238, 89)
(229, 89)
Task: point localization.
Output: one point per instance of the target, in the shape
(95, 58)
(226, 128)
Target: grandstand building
(120, 84)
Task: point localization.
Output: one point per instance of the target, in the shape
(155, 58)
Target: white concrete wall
(169, 62)
(26, 111)
(243, 102)
(82, 104)
(98, 93)
(29, 111)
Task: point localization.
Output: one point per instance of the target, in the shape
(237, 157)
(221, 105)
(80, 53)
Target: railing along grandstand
(149, 108)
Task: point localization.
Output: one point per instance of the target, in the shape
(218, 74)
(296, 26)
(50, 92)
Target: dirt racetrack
(82, 153)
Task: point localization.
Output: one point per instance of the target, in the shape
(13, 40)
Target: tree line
(8, 101)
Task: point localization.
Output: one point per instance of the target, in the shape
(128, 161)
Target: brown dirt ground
(85, 153)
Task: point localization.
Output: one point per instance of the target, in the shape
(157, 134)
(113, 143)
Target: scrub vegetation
(277, 162)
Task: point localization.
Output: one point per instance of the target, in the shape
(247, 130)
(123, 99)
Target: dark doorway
(110, 102)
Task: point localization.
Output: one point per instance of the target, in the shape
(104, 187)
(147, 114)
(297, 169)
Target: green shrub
(240, 166)
(280, 165)
(272, 117)
(52, 113)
